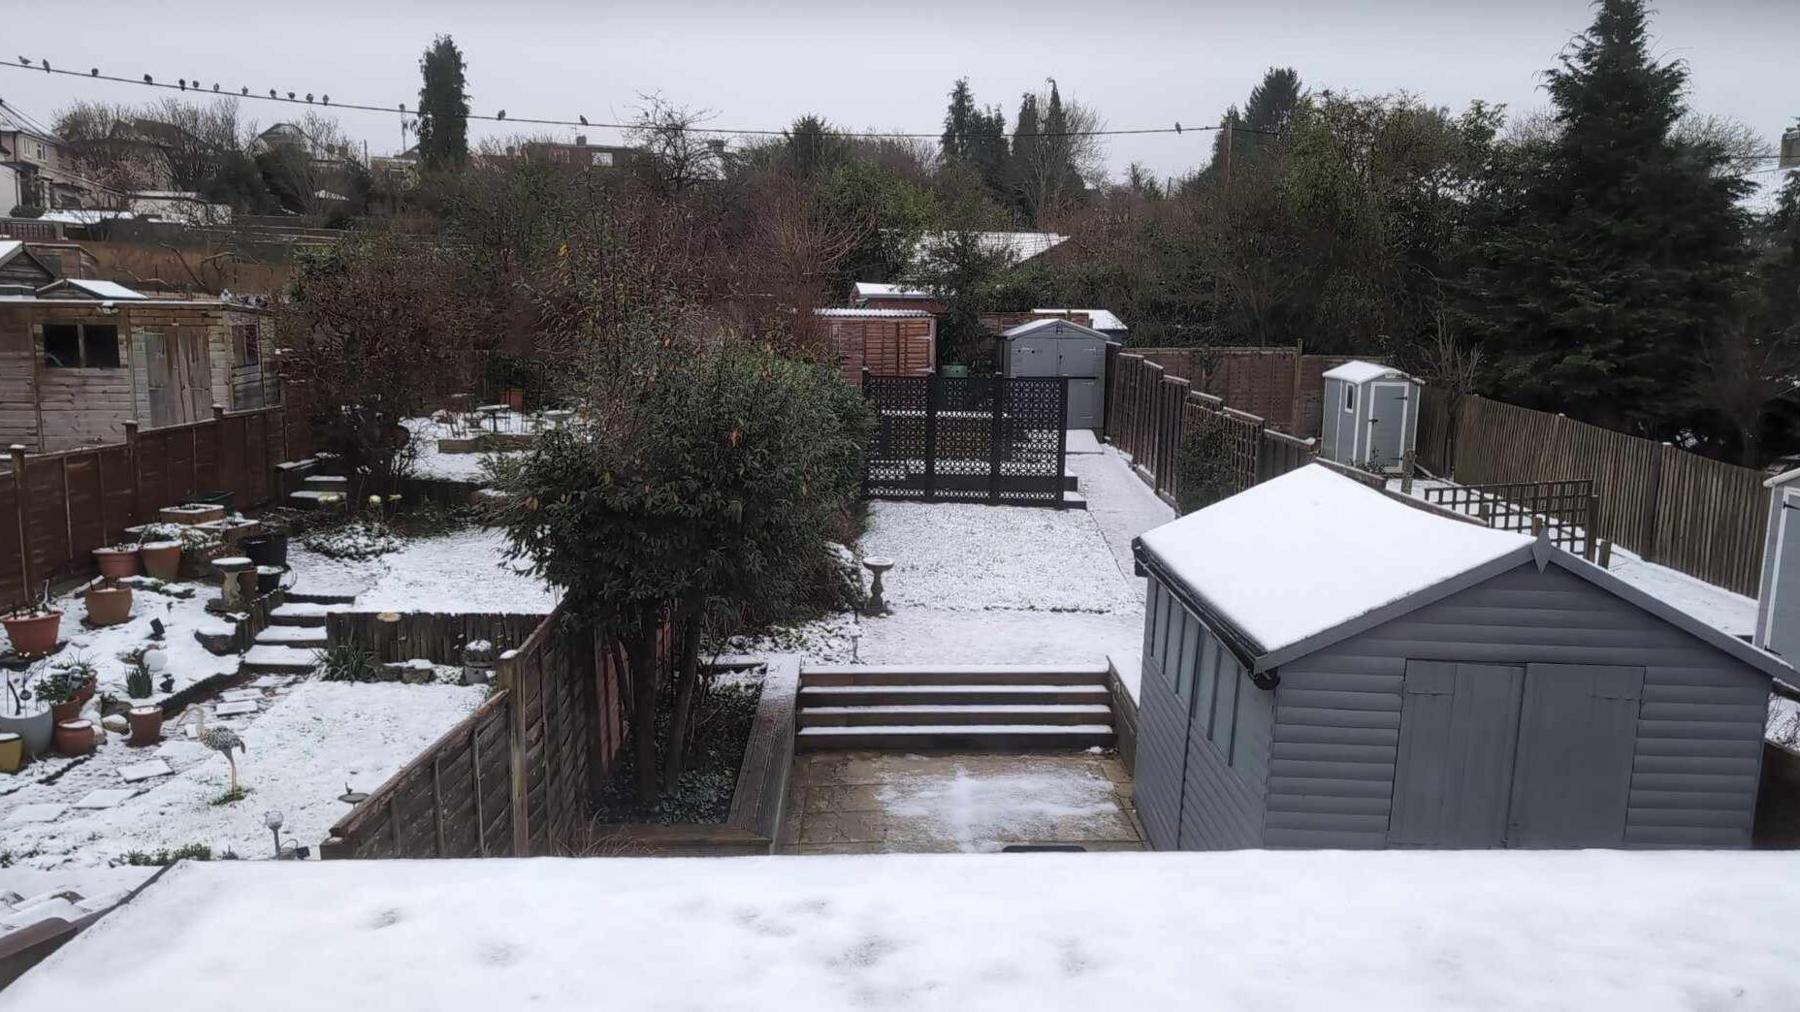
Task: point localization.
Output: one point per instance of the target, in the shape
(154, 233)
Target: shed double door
(1535, 755)
(1080, 362)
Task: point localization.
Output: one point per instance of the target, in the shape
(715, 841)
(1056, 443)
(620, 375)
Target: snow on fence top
(1246, 929)
(1312, 549)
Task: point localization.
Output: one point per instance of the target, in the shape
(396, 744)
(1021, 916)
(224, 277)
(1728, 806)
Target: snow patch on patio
(978, 810)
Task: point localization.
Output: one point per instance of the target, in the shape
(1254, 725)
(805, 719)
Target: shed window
(249, 343)
(81, 345)
(1349, 397)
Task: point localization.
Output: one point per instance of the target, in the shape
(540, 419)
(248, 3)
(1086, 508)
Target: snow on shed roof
(1311, 550)
(873, 313)
(1104, 319)
(98, 289)
(946, 931)
(1052, 323)
(1360, 371)
(9, 248)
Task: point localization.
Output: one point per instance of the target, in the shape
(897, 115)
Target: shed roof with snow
(91, 288)
(1359, 371)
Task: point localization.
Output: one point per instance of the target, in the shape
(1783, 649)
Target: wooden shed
(84, 357)
(887, 342)
(1778, 602)
(1326, 665)
(1370, 416)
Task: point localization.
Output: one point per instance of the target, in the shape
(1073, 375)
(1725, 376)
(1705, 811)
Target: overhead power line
(323, 100)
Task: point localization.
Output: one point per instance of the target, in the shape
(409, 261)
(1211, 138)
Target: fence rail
(516, 777)
(1701, 516)
(55, 508)
(1568, 510)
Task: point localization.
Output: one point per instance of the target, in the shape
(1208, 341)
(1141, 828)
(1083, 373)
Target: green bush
(1204, 468)
(346, 662)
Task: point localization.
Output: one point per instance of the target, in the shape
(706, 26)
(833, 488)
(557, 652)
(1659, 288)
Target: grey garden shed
(1778, 602)
(1369, 417)
(1061, 348)
(1327, 665)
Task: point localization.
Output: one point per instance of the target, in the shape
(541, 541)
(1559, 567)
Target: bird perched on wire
(220, 739)
(500, 115)
(583, 120)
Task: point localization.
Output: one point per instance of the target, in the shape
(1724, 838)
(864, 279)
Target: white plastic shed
(1370, 415)
(1778, 604)
(1061, 348)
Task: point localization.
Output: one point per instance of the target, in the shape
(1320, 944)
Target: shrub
(346, 662)
(358, 539)
(1205, 469)
(158, 858)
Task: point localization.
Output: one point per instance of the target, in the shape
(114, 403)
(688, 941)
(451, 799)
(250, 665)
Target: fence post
(1593, 523)
(932, 392)
(131, 458)
(1062, 439)
(1648, 550)
(994, 449)
(22, 503)
(507, 670)
(1408, 463)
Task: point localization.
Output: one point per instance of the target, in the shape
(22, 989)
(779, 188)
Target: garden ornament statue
(219, 739)
(877, 565)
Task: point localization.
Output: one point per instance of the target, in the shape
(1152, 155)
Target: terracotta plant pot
(34, 728)
(60, 713)
(35, 634)
(117, 563)
(75, 737)
(146, 725)
(515, 398)
(108, 605)
(162, 559)
(86, 692)
(12, 751)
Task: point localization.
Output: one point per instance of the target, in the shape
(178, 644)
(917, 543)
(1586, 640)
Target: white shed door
(1387, 423)
(1784, 592)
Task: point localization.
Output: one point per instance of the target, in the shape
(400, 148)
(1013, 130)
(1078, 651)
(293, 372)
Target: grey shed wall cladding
(1698, 726)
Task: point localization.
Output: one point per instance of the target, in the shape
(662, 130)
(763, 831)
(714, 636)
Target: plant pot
(67, 711)
(86, 692)
(515, 398)
(117, 563)
(35, 729)
(268, 579)
(75, 737)
(35, 634)
(108, 605)
(12, 751)
(162, 559)
(266, 549)
(146, 725)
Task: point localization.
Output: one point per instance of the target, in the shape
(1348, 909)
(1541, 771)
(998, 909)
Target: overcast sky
(1141, 63)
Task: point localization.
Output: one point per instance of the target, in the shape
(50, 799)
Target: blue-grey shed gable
(1531, 701)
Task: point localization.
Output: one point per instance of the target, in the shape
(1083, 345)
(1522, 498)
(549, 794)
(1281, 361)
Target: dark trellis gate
(986, 440)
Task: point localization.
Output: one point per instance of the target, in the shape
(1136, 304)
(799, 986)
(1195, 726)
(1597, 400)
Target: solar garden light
(272, 819)
(877, 565)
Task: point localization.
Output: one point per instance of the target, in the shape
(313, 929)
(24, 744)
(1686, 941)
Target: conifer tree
(443, 107)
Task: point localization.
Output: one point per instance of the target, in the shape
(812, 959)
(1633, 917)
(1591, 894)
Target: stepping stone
(240, 695)
(233, 709)
(105, 797)
(270, 682)
(34, 813)
(145, 770)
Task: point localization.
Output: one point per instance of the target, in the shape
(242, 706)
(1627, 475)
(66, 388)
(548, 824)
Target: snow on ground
(428, 462)
(974, 808)
(298, 756)
(1246, 929)
(1783, 727)
(465, 571)
(182, 616)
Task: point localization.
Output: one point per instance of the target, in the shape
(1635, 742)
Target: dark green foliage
(889, 213)
(1205, 468)
(1609, 255)
(976, 138)
(158, 858)
(139, 682)
(723, 717)
(443, 107)
(346, 662)
(813, 146)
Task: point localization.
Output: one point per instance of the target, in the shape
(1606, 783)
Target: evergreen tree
(989, 150)
(443, 107)
(812, 146)
(1611, 254)
(1257, 129)
(959, 122)
(1024, 153)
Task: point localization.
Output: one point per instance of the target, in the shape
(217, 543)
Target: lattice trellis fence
(988, 440)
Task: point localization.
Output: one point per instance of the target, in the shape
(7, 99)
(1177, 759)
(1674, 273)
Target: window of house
(1349, 397)
(81, 345)
(600, 158)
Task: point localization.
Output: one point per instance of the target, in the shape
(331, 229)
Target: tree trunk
(642, 647)
(687, 673)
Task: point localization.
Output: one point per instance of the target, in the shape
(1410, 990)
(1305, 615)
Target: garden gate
(991, 440)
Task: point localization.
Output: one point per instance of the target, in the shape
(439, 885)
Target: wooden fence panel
(46, 518)
(85, 503)
(14, 585)
(118, 483)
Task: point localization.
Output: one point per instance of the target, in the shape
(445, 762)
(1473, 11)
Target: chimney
(581, 140)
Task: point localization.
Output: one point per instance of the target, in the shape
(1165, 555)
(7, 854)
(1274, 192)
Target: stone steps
(267, 659)
(992, 707)
(310, 637)
(970, 694)
(987, 674)
(302, 613)
(953, 715)
(964, 738)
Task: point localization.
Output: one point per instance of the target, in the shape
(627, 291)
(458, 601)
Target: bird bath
(232, 568)
(876, 565)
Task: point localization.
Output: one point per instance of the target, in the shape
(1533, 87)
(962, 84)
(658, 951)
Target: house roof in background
(1020, 246)
(878, 290)
(12, 249)
(1104, 319)
(873, 313)
(1361, 372)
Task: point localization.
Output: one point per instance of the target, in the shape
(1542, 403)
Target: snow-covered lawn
(1248, 929)
(465, 571)
(299, 755)
(428, 462)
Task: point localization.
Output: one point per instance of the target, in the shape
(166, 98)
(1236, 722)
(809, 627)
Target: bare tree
(311, 167)
(1743, 374)
(679, 157)
(1741, 149)
(106, 153)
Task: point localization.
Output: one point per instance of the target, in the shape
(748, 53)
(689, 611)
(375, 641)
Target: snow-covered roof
(1051, 323)
(9, 248)
(930, 932)
(98, 289)
(1018, 246)
(1104, 319)
(878, 290)
(1360, 372)
(1311, 550)
(873, 313)
(81, 215)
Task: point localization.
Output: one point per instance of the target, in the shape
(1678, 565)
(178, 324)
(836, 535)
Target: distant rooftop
(894, 313)
(878, 290)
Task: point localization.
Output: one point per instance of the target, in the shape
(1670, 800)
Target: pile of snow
(1247, 929)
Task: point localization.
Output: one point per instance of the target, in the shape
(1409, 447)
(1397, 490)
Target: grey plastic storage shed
(1328, 666)
(1061, 348)
(1370, 415)
(1778, 603)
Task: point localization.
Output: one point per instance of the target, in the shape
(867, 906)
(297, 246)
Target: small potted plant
(75, 737)
(62, 690)
(33, 628)
(139, 673)
(26, 715)
(108, 602)
(117, 561)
